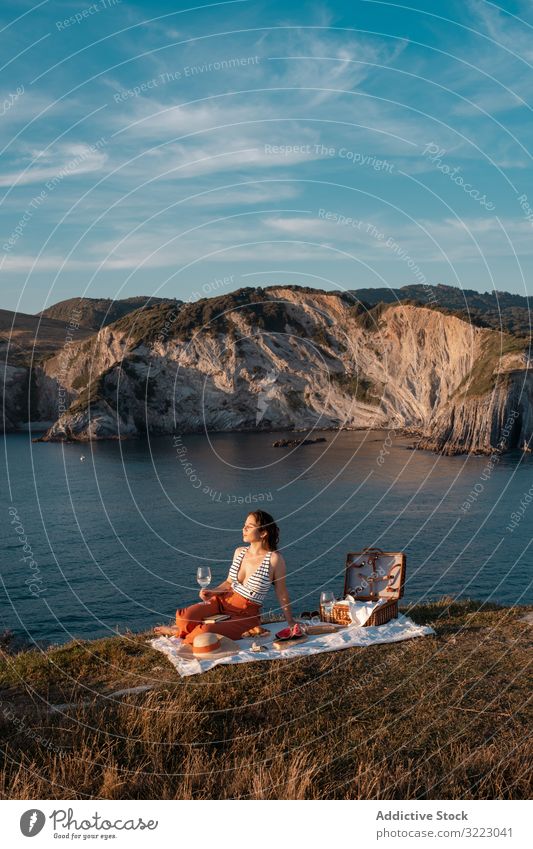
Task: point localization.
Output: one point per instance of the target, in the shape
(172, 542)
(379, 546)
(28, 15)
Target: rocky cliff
(289, 357)
(492, 409)
(26, 341)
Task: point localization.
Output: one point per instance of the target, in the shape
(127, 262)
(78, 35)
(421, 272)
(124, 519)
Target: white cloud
(504, 28)
(294, 239)
(244, 238)
(247, 195)
(24, 263)
(212, 157)
(309, 87)
(62, 161)
(488, 99)
(456, 238)
(326, 61)
(494, 75)
(300, 227)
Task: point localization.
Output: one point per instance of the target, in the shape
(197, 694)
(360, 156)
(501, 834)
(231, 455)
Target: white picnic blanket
(398, 629)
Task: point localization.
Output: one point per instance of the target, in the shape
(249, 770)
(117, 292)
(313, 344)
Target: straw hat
(209, 645)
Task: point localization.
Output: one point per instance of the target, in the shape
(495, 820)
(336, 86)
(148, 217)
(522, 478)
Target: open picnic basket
(370, 575)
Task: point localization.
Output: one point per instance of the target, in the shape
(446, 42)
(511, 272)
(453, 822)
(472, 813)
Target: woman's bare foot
(167, 630)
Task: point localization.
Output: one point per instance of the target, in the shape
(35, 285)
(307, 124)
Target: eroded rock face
(289, 358)
(29, 396)
(499, 421)
(15, 392)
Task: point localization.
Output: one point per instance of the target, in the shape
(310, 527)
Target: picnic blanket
(394, 631)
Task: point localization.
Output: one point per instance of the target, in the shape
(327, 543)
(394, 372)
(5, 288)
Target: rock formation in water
(294, 358)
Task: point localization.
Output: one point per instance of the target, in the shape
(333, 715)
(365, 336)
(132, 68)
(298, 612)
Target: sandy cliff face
(492, 410)
(281, 358)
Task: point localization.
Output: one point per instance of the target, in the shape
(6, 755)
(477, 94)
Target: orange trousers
(244, 615)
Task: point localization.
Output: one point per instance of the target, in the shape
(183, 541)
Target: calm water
(116, 537)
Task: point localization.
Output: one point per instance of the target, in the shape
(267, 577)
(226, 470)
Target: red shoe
(290, 633)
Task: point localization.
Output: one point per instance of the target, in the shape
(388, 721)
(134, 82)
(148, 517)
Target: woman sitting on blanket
(241, 595)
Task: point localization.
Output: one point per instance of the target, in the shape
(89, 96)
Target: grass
(445, 716)
(91, 394)
(145, 326)
(358, 386)
(482, 378)
(210, 316)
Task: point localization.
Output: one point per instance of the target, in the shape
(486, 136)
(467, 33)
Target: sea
(105, 537)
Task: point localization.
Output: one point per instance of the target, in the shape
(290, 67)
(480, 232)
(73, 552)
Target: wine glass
(203, 576)
(327, 599)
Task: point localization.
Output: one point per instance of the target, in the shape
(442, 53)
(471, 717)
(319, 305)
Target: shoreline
(415, 435)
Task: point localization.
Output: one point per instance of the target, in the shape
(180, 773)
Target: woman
(241, 595)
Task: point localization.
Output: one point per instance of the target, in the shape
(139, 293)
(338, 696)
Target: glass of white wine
(327, 600)
(203, 576)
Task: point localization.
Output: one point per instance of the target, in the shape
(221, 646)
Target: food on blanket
(294, 633)
(281, 645)
(256, 631)
(325, 628)
(257, 647)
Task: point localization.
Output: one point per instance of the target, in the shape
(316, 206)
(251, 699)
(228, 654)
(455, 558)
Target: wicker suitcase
(370, 575)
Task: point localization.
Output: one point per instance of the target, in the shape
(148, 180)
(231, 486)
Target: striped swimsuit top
(257, 585)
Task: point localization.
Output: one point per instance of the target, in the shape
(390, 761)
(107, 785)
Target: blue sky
(161, 149)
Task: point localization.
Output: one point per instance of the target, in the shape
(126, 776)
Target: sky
(182, 150)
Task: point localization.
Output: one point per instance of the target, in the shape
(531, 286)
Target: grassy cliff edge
(442, 717)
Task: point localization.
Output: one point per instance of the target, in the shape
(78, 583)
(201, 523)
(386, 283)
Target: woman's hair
(267, 523)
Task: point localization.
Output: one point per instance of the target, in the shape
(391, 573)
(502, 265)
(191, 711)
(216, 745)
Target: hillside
(499, 310)
(26, 340)
(281, 357)
(439, 717)
(288, 357)
(95, 313)
(23, 336)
